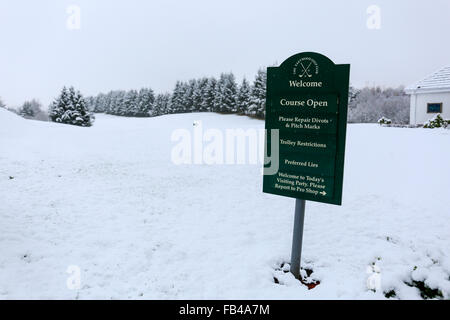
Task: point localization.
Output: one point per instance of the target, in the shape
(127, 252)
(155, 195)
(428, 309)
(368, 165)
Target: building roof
(436, 82)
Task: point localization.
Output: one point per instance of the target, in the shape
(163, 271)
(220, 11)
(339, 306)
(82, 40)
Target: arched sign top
(316, 59)
(306, 101)
(307, 70)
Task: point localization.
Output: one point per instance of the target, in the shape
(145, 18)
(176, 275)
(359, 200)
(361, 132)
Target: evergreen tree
(145, 102)
(59, 106)
(120, 102)
(122, 105)
(225, 97)
(177, 98)
(243, 100)
(70, 107)
(218, 103)
(208, 94)
(162, 104)
(82, 116)
(129, 105)
(116, 101)
(229, 93)
(90, 103)
(197, 94)
(100, 104)
(188, 97)
(109, 101)
(112, 102)
(258, 94)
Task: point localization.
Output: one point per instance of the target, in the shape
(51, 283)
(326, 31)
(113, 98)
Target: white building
(430, 96)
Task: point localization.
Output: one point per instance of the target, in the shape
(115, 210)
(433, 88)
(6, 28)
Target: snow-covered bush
(436, 122)
(384, 121)
(70, 107)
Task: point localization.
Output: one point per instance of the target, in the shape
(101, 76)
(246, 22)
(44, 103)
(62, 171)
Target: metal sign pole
(297, 237)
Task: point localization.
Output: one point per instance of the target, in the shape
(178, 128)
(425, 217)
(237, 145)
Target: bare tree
(32, 110)
(371, 104)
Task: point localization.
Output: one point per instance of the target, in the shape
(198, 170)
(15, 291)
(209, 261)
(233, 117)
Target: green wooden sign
(306, 100)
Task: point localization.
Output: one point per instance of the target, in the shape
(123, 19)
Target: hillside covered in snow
(106, 205)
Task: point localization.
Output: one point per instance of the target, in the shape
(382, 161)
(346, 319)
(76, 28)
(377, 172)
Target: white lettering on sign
(305, 84)
(302, 103)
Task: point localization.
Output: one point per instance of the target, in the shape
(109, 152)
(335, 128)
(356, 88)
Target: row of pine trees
(206, 95)
(222, 95)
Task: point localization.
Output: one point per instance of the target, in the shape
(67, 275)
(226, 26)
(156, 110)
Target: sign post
(306, 101)
(297, 237)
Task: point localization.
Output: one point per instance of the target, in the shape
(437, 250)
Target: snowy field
(108, 199)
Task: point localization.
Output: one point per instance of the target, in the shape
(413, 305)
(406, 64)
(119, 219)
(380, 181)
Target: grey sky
(126, 44)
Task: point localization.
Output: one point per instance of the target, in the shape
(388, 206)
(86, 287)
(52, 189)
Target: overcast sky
(126, 44)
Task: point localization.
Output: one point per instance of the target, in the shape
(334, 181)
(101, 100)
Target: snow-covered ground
(109, 201)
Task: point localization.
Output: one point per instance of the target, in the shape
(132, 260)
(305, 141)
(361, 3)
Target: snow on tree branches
(224, 95)
(70, 107)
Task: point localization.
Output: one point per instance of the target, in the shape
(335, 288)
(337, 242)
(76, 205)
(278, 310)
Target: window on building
(434, 108)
